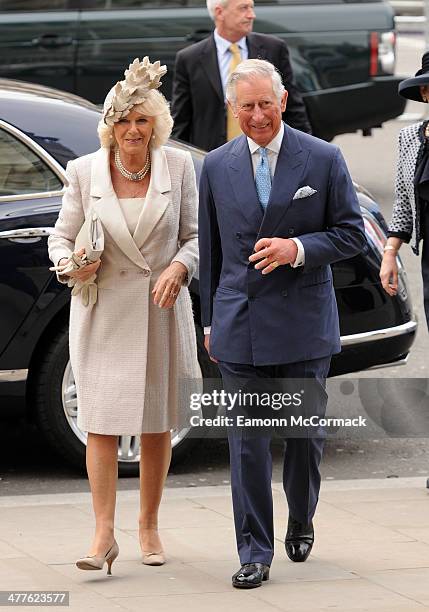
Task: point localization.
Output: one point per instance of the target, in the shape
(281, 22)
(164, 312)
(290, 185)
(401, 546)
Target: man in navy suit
(277, 208)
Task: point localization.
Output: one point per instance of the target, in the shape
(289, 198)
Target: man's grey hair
(212, 4)
(251, 69)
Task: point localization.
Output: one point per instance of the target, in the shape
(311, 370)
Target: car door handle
(27, 234)
(52, 41)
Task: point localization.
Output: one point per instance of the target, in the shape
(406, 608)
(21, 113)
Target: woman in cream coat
(134, 349)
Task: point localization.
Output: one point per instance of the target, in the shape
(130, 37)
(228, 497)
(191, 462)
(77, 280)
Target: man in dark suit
(277, 208)
(198, 102)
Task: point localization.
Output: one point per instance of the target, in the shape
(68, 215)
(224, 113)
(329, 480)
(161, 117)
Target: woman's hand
(84, 273)
(168, 285)
(389, 273)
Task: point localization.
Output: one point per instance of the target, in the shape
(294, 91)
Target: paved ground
(371, 552)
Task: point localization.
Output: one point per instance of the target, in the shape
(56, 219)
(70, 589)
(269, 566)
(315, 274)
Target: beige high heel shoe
(153, 558)
(97, 563)
(150, 557)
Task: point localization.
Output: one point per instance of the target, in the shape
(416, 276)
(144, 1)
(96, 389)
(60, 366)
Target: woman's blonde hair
(156, 106)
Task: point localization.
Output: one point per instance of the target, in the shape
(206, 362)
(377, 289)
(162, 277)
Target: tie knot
(263, 152)
(235, 49)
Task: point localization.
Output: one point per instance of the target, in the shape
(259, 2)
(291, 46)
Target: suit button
(291, 231)
(238, 235)
(284, 293)
(122, 272)
(146, 272)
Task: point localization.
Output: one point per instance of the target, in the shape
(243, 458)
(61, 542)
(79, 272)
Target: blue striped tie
(263, 178)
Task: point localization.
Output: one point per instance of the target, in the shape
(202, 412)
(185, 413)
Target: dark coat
(289, 315)
(198, 105)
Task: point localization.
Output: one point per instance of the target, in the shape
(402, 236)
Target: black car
(342, 51)
(40, 130)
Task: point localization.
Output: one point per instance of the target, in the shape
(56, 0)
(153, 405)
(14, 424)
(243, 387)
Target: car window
(58, 5)
(125, 4)
(22, 171)
(62, 5)
(33, 5)
(45, 5)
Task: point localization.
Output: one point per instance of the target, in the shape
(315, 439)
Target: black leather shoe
(299, 540)
(251, 575)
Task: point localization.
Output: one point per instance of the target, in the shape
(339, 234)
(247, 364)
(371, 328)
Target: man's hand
(207, 347)
(273, 252)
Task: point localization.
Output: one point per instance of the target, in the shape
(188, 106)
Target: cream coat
(132, 360)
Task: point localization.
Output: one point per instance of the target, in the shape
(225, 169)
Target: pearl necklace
(132, 176)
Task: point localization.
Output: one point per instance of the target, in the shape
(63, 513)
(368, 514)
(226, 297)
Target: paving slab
(356, 595)
(412, 583)
(61, 545)
(376, 495)
(9, 552)
(368, 556)
(234, 601)
(199, 543)
(222, 505)
(282, 570)
(29, 573)
(36, 519)
(134, 579)
(391, 513)
(371, 552)
(421, 534)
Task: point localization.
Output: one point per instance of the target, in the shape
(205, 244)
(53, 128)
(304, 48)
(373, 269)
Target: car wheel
(54, 391)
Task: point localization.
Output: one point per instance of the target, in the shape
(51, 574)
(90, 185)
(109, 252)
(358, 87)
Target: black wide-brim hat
(410, 88)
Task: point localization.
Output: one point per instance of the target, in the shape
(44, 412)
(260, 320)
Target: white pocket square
(304, 192)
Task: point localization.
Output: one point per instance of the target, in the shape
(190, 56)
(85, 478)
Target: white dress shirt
(273, 149)
(224, 56)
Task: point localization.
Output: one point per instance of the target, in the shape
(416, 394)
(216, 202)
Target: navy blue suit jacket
(290, 314)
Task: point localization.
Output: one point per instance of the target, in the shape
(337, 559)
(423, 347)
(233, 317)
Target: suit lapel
(109, 209)
(210, 65)
(156, 202)
(290, 166)
(240, 172)
(256, 50)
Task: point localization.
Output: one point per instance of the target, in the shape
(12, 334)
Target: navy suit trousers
(251, 462)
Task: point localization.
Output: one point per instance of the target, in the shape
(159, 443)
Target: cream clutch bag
(90, 238)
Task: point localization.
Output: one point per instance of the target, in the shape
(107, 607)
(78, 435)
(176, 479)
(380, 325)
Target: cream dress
(131, 359)
(157, 387)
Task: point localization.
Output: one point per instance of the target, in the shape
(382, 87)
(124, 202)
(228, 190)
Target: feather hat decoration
(140, 78)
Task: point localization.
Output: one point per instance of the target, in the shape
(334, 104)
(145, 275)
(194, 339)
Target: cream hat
(140, 78)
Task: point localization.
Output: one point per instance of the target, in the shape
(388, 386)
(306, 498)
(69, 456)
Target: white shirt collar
(273, 146)
(223, 45)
